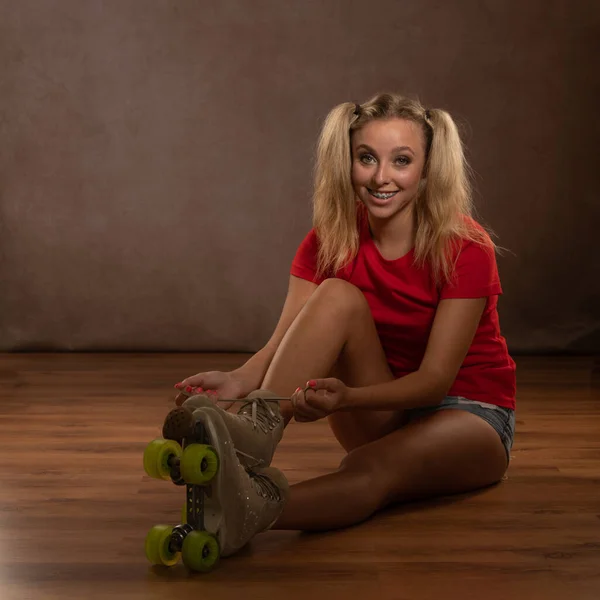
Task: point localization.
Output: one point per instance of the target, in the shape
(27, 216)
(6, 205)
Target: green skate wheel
(200, 551)
(157, 546)
(156, 458)
(199, 464)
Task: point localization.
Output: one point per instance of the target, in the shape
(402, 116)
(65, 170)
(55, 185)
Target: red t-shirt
(403, 301)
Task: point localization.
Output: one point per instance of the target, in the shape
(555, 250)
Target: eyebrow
(396, 149)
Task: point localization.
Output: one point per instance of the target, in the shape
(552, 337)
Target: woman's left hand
(319, 399)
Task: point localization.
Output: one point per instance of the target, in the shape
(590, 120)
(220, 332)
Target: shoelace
(265, 486)
(266, 419)
(258, 462)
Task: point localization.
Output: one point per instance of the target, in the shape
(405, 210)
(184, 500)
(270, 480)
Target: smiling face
(387, 165)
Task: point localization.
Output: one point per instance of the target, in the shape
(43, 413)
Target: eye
(403, 160)
(366, 158)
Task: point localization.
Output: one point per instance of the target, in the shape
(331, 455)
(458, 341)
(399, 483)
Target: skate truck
(193, 464)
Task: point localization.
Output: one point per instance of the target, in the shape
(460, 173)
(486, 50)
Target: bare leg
(334, 335)
(451, 451)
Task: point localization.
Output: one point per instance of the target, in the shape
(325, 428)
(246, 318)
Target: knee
(342, 295)
(359, 461)
(370, 470)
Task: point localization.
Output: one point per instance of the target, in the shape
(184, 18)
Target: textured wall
(156, 156)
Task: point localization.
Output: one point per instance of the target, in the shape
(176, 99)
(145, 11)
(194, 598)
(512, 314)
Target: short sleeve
(304, 264)
(476, 274)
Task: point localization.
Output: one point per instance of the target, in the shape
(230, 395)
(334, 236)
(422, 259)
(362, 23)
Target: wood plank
(75, 504)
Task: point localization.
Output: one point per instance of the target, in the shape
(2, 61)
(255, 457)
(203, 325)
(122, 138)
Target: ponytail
(334, 207)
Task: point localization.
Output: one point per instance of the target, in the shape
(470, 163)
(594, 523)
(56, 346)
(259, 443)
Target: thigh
(334, 326)
(446, 452)
(361, 360)
(356, 428)
(335, 333)
(361, 363)
(501, 419)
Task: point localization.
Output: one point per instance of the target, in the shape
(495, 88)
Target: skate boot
(256, 429)
(241, 502)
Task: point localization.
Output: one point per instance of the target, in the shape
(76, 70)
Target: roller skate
(256, 429)
(226, 503)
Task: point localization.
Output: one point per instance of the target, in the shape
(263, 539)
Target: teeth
(382, 196)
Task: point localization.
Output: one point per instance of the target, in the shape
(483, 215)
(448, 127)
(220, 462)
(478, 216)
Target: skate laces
(258, 462)
(265, 486)
(266, 418)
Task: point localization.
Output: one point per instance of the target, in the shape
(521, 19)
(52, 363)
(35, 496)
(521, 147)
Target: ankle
(287, 412)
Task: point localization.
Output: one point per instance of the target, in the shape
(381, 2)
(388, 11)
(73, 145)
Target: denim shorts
(500, 418)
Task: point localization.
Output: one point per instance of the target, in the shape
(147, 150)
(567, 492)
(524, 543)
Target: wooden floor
(75, 504)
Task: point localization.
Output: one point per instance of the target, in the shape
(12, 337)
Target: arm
(254, 370)
(452, 333)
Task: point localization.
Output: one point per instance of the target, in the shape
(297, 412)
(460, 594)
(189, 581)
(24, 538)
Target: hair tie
(357, 109)
(428, 114)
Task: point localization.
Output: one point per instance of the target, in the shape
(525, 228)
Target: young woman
(389, 330)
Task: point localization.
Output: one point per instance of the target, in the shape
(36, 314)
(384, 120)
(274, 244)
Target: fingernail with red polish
(188, 388)
(178, 385)
(297, 390)
(312, 383)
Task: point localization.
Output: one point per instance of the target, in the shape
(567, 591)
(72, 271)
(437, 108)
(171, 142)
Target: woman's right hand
(223, 385)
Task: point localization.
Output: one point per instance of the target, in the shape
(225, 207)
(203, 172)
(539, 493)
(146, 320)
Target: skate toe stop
(179, 424)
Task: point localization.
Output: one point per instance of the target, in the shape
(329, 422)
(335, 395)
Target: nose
(382, 175)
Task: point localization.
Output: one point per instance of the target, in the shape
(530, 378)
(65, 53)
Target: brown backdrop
(156, 156)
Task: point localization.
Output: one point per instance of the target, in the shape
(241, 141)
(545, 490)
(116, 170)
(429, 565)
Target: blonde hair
(443, 207)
